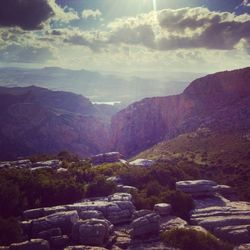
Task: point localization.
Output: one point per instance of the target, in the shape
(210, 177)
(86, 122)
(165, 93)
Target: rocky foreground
(113, 223)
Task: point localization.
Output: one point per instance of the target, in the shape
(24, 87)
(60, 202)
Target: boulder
(33, 213)
(142, 163)
(197, 188)
(91, 214)
(235, 234)
(229, 221)
(120, 197)
(163, 209)
(41, 212)
(47, 234)
(59, 241)
(146, 226)
(171, 222)
(226, 191)
(63, 220)
(92, 232)
(141, 213)
(117, 212)
(123, 241)
(106, 158)
(51, 163)
(34, 244)
(115, 179)
(126, 189)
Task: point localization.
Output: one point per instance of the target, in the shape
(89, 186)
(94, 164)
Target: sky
(125, 36)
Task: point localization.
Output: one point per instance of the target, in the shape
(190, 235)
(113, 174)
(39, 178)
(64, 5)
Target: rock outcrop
(163, 209)
(219, 102)
(197, 188)
(34, 244)
(92, 232)
(106, 158)
(113, 223)
(146, 226)
(228, 220)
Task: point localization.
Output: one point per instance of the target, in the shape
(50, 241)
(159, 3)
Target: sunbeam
(155, 5)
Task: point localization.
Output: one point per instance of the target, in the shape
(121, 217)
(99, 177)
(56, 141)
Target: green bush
(190, 239)
(10, 231)
(100, 187)
(181, 203)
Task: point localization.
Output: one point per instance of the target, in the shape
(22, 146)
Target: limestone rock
(229, 221)
(63, 220)
(91, 214)
(148, 225)
(117, 212)
(142, 163)
(171, 222)
(59, 241)
(197, 188)
(126, 189)
(162, 209)
(47, 234)
(34, 244)
(106, 158)
(120, 197)
(141, 213)
(92, 232)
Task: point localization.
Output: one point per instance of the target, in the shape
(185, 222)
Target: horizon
(127, 37)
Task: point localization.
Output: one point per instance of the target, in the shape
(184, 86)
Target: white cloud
(94, 14)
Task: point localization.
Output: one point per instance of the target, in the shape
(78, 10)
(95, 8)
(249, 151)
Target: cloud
(94, 14)
(20, 54)
(32, 14)
(185, 28)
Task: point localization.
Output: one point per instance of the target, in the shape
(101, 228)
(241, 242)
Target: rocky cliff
(219, 101)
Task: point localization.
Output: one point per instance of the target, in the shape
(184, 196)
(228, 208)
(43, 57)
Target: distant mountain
(36, 120)
(97, 87)
(219, 102)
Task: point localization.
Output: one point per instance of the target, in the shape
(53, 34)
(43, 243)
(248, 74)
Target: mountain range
(98, 87)
(36, 120)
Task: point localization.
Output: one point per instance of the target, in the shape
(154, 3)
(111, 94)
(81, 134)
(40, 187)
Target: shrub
(181, 203)
(10, 231)
(190, 239)
(100, 187)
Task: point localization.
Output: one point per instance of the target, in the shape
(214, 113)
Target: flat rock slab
(227, 220)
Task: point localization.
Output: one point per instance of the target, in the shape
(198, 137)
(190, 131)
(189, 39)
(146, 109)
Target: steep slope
(219, 101)
(220, 156)
(35, 120)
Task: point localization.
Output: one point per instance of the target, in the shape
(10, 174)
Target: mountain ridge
(66, 121)
(224, 100)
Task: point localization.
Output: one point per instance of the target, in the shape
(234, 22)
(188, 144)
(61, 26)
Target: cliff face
(36, 121)
(220, 101)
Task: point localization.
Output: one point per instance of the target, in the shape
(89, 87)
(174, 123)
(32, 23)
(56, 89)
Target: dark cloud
(183, 29)
(27, 14)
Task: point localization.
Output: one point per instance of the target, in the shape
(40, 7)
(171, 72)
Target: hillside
(36, 121)
(219, 102)
(223, 157)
